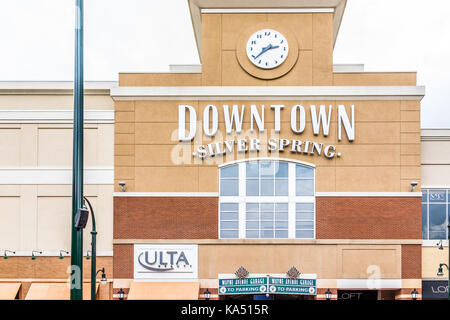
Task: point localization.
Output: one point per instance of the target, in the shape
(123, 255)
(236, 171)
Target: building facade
(265, 173)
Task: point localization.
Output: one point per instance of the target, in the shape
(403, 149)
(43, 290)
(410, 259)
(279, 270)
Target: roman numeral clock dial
(267, 49)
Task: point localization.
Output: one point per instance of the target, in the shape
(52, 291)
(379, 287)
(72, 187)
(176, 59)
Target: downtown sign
(257, 139)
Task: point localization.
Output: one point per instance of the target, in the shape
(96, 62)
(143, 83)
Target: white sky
(37, 41)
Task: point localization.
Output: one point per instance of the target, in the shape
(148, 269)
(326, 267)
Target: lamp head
(413, 185)
(440, 271)
(121, 294)
(328, 294)
(207, 294)
(414, 294)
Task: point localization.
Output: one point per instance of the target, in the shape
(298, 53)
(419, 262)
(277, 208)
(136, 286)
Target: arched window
(267, 199)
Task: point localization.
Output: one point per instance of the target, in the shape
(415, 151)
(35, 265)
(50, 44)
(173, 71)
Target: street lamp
(5, 256)
(121, 294)
(93, 251)
(207, 294)
(414, 294)
(440, 272)
(103, 279)
(328, 294)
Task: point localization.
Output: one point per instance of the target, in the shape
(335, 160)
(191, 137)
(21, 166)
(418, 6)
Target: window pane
(301, 207)
(267, 169)
(304, 216)
(281, 207)
(281, 234)
(252, 170)
(228, 216)
(424, 195)
(438, 221)
(303, 172)
(229, 234)
(266, 215)
(229, 171)
(254, 207)
(281, 224)
(304, 225)
(281, 216)
(424, 222)
(437, 195)
(229, 187)
(281, 170)
(281, 187)
(267, 207)
(252, 216)
(252, 225)
(304, 187)
(267, 187)
(252, 234)
(252, 188)
(266, 224)
(266, 234)
(304, 234)
(229, 207)
(229, 225)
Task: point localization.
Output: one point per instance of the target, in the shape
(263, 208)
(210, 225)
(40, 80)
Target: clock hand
(263, 50)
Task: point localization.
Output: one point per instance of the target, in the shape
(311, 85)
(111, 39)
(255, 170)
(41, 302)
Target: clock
(267, 48)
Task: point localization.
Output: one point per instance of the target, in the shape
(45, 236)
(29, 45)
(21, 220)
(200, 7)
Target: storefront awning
(56, 291)
(164, 291)
(8, 291)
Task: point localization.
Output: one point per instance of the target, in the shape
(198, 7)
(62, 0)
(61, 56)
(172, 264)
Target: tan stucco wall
(431, 258)
(385, 156)
(341, 262)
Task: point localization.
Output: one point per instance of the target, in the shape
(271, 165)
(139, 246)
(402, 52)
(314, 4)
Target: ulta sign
(234, 118)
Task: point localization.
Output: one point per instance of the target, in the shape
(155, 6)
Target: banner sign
(434, 289)
(267, 285)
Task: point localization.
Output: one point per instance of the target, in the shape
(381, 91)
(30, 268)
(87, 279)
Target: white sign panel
(165, 261)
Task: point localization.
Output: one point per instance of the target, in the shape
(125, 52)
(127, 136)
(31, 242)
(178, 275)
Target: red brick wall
(411, 261)
(368, 218)
(123, 261)
(165, 217)
(336, 218)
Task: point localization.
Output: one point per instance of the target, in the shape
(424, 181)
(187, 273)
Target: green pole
(93, 251)
(76, 289)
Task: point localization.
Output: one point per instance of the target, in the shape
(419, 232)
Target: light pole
(76, 289)
(93, 251)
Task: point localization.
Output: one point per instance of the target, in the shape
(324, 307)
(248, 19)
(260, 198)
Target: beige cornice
(272, 241)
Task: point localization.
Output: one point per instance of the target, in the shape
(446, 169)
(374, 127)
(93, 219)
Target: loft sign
(320, 117)
(165, 261)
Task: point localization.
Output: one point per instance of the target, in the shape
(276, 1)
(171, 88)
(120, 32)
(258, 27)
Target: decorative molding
(53, 253)
(369, 194)
(54, 87)
(54, 116)
(269, 93)
(272, 241)
(308, 164)
(431, 186)
(435, 134)
(165, 194)
(434, 243)
(269, 10)
(43, 175)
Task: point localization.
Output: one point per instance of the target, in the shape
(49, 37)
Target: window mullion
(242, 193)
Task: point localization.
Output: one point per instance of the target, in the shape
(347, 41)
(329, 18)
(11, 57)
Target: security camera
(122, 185)
(413, 185)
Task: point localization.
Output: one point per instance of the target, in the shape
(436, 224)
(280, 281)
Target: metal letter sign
(270, 285)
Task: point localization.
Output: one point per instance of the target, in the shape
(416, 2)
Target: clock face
(267, 49)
